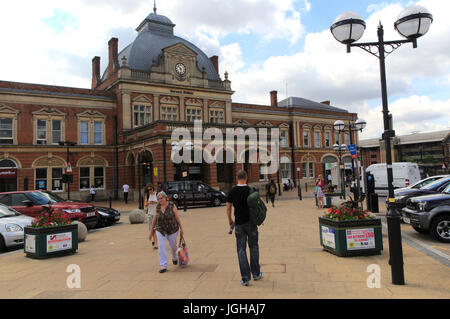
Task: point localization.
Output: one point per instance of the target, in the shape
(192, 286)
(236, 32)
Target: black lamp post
(68, 179)
(279, 167)
(340, 148)
(412, 23)
(359, 125)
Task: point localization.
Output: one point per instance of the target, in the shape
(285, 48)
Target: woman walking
(150, 202)
(320, 195)
(166, 223)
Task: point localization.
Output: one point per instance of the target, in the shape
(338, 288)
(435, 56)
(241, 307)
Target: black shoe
(175, 262)
(161, 271)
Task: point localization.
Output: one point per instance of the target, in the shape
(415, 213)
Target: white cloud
(37, 51)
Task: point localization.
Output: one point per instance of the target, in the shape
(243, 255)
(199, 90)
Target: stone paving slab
(119, 262)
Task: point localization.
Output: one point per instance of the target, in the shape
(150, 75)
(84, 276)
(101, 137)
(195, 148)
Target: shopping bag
(182, 251)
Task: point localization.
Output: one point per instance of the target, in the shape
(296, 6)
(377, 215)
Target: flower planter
(351, 237)
(48, 242)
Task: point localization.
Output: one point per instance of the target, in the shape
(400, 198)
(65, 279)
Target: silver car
(12, 224)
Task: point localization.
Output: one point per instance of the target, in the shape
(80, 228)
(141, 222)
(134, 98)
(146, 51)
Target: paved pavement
(119, 262)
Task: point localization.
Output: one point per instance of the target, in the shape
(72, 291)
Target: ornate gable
(142, 99)
(242, 122)
(47, 111)
(179, 49)
(264, 123)
(91, 114)
(5, 109)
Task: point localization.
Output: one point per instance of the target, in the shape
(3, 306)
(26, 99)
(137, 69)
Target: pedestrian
(272, 192)
(92, 192)
(167, 224)
(320, 195)
(125, 188)
(330, 179)
(245, 230)
(150, 202)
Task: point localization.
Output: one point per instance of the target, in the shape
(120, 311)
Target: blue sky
(264, 45)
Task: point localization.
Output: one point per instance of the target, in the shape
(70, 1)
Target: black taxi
(193, 193)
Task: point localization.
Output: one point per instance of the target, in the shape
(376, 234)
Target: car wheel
(421, 230)
(440, 228)
(2, 244)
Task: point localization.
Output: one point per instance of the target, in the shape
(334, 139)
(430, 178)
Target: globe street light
(412, 23)
(359, 125)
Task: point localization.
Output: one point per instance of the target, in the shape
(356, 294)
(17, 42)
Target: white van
(404, 174)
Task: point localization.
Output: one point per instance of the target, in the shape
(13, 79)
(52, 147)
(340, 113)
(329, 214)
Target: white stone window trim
(213, 118)
(197, 116)
(148, 111)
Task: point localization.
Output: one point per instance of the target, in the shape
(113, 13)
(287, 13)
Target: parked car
(195, 192)
(30, 203)
(430, 214)
(404, 174)
(12, 224)
(421, 183)
(433, 188)
(107, 216)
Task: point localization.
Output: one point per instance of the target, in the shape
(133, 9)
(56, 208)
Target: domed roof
(159, 18)
(154, 34)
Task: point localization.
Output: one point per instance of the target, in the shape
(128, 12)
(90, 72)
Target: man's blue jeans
(247, 231)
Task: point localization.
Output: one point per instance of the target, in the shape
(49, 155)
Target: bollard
(306, 187)
(299, 192)
(110, 203)
(185, 202)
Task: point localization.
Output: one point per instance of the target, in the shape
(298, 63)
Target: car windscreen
(435, 184)
(6, 211)
(447, 189)
(42, 198)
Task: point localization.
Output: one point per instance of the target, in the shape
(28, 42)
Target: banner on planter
(58, 242)
(328, 237)
(360, 239)
(30, 243)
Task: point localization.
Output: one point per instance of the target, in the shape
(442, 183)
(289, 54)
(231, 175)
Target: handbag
(182, 252)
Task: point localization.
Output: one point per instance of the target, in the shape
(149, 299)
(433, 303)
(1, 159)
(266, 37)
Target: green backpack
(256, 207)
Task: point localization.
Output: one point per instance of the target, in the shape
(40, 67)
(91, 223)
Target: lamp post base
(395, 247)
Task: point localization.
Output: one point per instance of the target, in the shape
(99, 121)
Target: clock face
(180, 68)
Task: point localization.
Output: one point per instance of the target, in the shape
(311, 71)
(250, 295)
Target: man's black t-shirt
(238, 197)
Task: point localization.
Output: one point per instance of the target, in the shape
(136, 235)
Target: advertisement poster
(30, 243)
(328, 237)
(57, 242)
(360, 239)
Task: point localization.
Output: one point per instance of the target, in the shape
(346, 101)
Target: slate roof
(154, 34)
(298, 102)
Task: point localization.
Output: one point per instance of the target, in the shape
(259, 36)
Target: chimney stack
(215, 61)
(95, 72)
(274, 98)
(325, 102)
(113, 55)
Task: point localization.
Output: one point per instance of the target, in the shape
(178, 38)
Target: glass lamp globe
(339, 125)
(413, 22)
(336, 147)
(360, 124)
(343, 146)
(348, 27)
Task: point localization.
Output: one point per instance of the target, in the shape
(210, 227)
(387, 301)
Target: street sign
(69, 168)
(352, 149)
(155, 171)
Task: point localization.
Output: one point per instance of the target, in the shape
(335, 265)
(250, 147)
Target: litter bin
(374, 203)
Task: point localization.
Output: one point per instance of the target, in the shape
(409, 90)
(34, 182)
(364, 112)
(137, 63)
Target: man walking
(272, 192)
(125, 188)
(245, 230)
